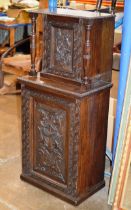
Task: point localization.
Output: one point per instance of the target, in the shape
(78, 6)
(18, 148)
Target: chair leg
(98, 5)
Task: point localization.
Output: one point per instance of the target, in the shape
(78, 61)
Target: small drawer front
(51, 153)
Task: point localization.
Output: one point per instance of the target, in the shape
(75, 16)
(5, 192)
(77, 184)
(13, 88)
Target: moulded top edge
(72, 90)
(73, 13)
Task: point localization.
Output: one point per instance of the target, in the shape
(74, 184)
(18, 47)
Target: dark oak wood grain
(65, 110)
(87, 50)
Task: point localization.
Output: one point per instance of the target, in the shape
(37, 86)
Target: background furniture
(12, 30)
(115, 3)
(17, 65)
(103, 6)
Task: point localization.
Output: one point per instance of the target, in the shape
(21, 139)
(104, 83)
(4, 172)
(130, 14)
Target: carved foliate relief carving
(50, 149)
(63, 49)
(26, 164)
(56, 133)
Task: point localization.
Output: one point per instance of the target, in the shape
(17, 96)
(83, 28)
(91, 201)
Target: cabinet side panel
(94, 116)
(99, 56)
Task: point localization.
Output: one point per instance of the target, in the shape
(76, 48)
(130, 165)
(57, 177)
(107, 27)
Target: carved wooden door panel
(50, 143)
(63, 51)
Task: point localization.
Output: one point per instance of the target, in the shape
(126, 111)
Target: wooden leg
(1, 78)
(98, 5)
(12, 38)
(113, 6)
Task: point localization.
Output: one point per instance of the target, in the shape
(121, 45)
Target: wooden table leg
(1, 77)
(12, 38)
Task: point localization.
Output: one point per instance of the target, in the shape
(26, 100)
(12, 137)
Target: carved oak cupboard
(65, 109)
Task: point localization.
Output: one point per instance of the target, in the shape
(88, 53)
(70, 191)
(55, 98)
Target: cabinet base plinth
(72, 200)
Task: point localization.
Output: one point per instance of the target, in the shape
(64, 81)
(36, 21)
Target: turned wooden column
(87, 52)
(33, 17)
